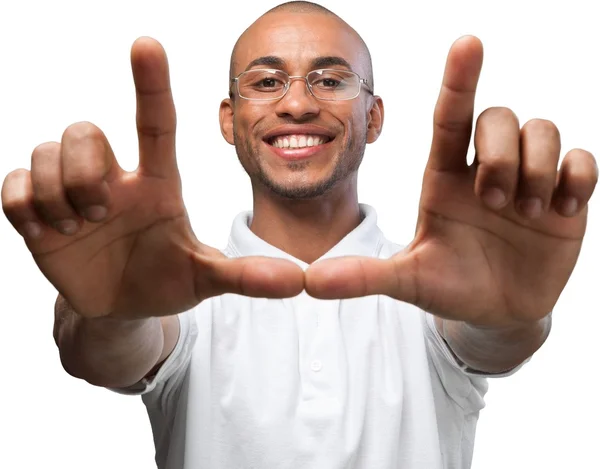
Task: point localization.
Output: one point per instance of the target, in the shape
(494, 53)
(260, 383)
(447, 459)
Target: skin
(302, 208)
(491, 272)
(510, 262)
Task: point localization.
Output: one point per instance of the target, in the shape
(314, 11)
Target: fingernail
(95, 213)
(31, 230)
(494, 197)
(569, 206)
(532, 207)
(66, 227)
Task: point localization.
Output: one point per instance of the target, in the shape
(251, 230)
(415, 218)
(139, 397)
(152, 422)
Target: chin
(299, 191)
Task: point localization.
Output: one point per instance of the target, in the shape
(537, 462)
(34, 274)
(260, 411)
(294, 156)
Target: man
(276, 353)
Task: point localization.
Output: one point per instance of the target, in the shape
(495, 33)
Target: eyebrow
(323, 62)
(319, 62)
(270, 60)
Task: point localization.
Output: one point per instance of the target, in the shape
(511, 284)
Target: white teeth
(297, 141)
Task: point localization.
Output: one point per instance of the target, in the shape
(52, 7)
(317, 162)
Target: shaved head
(326, 139)
(300, 7)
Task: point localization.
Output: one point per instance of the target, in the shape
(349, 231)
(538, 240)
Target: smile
(298, 141)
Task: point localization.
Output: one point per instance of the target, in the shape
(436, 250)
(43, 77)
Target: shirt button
(316, 365)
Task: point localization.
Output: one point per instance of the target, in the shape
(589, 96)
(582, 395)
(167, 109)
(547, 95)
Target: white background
(62, 62)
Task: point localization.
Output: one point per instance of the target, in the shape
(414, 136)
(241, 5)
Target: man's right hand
(120, 244)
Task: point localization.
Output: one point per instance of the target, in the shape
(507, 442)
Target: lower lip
(297, 153)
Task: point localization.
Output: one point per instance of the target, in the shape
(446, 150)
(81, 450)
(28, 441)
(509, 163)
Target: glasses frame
(361, 81)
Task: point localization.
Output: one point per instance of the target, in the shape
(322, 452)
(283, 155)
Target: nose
(298, 102)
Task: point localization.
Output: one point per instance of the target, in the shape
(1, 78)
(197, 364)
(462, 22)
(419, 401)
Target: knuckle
(81, 131)
(14, 198)
(542, 127)
(581, 161)
(499, 113)
(44, 150)
(581, 153)
(12, 187)
(15, 176)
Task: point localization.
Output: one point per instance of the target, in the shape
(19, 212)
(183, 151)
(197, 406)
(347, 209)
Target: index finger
(453, 115)
(155, 117)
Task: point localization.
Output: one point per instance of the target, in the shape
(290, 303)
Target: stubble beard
(347, 163)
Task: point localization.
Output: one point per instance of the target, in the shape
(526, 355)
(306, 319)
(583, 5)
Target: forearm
(493, 349)
(111, 352)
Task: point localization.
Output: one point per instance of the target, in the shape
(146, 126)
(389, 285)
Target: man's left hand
(497, 240)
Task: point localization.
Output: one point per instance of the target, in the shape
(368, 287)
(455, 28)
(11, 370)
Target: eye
(263, 81)
(331, 80)
(267, 83)
(328, 83)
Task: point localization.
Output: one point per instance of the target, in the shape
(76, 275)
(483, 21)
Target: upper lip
(306, 129)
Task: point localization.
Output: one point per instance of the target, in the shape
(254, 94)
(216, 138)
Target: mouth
(296, 147)
(298, 141)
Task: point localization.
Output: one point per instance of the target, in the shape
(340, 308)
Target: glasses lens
(262, 84)
(334, 84)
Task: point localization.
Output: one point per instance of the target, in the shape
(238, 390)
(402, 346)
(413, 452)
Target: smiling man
(311, 341)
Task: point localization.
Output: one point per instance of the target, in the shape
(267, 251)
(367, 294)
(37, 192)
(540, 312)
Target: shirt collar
(365, 240)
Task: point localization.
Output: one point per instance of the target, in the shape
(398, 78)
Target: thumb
(254, 276)
(351, 277)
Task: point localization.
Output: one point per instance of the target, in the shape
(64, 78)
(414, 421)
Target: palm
(142, 259)
(497, 260)
(486, 263)
(137, 261)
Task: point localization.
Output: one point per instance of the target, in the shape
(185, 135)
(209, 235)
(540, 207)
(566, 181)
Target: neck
(305, 229)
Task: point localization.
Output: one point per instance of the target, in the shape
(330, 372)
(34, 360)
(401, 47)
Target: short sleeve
(467, 387)
(175, 365)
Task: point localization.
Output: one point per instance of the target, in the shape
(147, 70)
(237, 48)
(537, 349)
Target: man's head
(298, 38)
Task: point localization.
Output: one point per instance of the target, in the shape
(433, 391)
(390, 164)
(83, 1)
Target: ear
(375, 119)
(226, 120)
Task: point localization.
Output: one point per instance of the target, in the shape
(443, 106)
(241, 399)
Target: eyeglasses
(326, 84)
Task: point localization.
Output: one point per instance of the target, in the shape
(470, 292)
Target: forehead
(298, 39)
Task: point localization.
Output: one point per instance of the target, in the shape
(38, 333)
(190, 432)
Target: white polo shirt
(297, 383)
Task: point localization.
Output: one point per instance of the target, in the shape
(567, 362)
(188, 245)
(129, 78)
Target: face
(330, 136)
